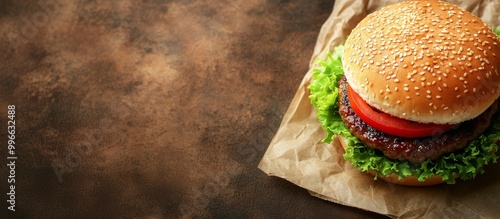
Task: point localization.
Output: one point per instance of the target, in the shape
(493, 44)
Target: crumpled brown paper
(298, 154)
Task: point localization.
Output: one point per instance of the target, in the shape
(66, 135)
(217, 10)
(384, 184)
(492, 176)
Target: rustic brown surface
(154, 108)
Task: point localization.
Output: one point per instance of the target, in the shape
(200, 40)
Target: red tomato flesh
(390, 124)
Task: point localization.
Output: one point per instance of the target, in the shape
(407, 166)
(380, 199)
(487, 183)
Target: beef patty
(415, 150)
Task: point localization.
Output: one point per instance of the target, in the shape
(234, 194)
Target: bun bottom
(340, 141)
(410, 180)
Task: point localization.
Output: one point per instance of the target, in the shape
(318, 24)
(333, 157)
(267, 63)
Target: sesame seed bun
(340, 141)
(424, 61)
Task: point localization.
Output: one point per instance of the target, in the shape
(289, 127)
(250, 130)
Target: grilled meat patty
(414, 150)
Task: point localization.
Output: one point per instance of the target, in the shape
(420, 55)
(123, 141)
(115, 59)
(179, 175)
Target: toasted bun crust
(340, 141)
(424, 61)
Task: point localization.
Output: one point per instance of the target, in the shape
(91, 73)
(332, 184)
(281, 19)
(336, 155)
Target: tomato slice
(390, 124)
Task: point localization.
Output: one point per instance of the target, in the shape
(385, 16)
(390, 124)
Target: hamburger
(412, 95)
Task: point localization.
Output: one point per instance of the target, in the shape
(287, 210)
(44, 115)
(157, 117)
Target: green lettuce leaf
(465, 163)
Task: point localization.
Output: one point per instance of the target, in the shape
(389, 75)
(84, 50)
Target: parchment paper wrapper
(298, 154)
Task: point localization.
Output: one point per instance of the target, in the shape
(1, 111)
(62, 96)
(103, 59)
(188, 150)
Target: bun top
(424, 61)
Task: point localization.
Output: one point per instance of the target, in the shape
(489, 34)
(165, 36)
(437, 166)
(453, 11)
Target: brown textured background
(154, 108)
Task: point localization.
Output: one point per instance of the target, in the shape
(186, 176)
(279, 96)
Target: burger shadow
(487, 182)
